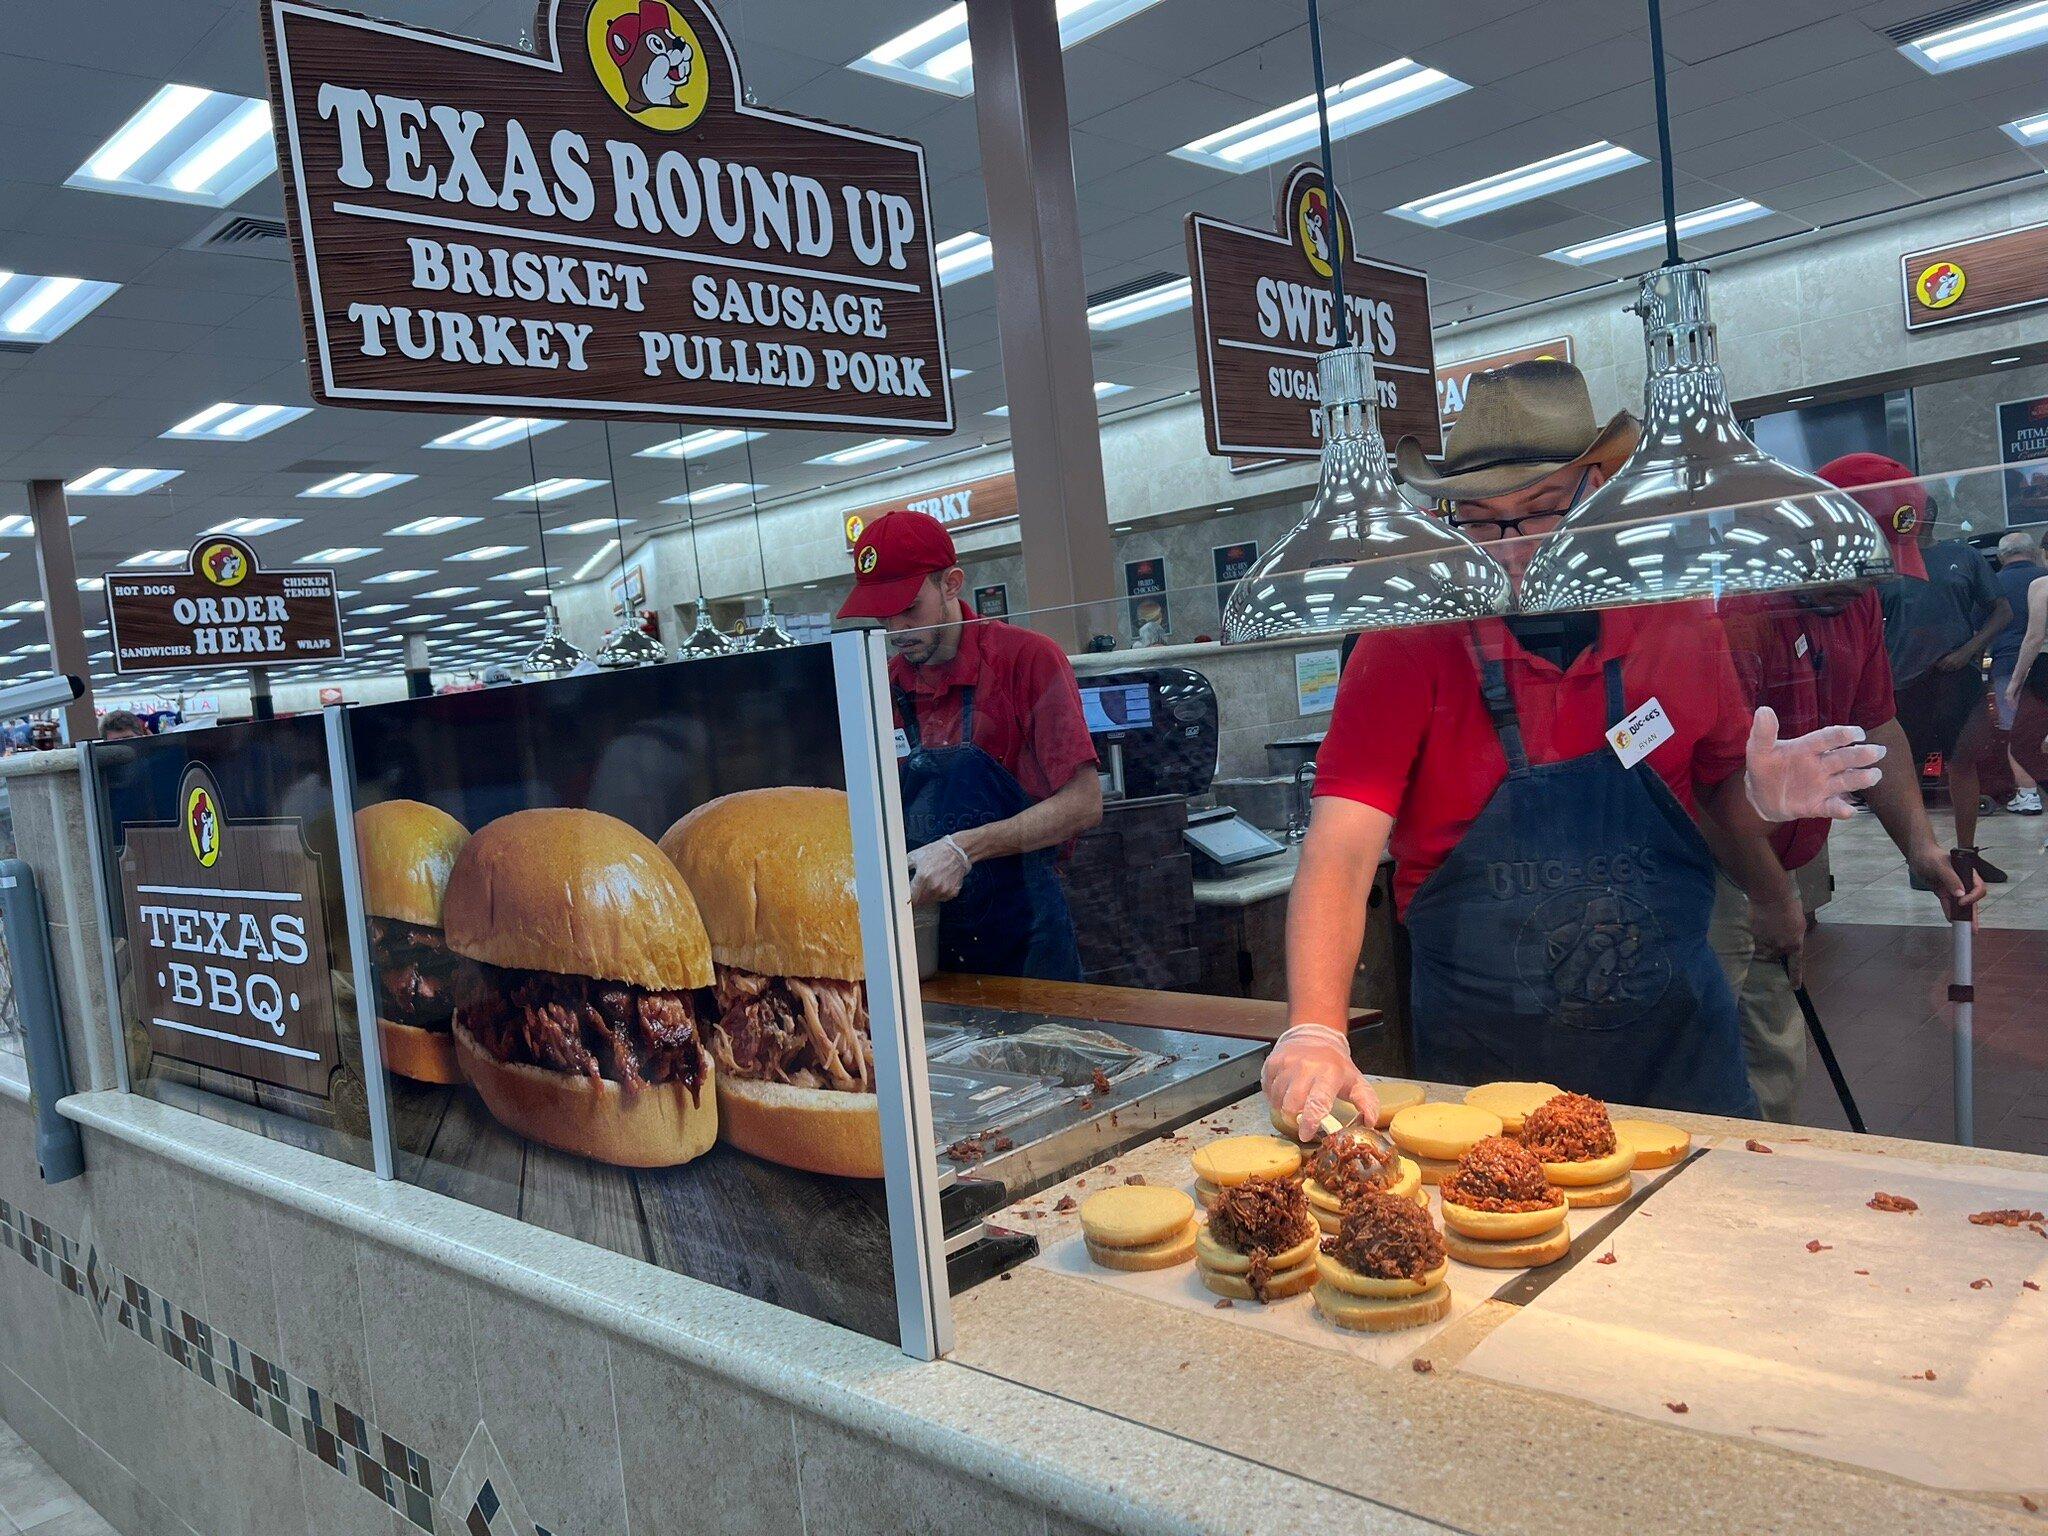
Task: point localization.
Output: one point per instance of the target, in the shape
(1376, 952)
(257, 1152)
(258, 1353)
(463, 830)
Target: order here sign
(222, 608)
(606, 226)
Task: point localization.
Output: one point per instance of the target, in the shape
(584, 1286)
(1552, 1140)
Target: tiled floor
(34, 1501)
(1878, 969)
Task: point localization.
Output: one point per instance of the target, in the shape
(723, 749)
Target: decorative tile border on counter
(324, 1427)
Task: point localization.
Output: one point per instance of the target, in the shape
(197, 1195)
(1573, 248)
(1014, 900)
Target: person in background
(1555, 887)
(2020, 565)
(998, 769)
(2026, 691)
(120, 725)
(1941, 612)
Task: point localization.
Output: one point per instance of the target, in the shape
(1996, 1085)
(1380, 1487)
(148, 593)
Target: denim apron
(1565, 938)
(1010, 918)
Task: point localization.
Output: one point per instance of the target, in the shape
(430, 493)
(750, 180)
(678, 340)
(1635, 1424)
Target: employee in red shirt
(1555, 888)
(997, 765)
(1817, 659)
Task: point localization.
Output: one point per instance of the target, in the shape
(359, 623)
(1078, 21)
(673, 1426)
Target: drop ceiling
(1803, 105)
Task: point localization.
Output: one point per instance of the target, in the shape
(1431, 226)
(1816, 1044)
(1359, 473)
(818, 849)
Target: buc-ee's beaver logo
(649, 62)
(1905, 518)
(1318, 230)
(202, 825)
(1940, 285)
(223, 564)
(867, 561)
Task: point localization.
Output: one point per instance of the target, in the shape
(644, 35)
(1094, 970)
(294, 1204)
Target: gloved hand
(1308, 1070)
(937, 871)
(1809, 776)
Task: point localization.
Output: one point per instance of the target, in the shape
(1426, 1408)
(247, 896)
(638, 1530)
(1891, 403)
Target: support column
(57, 570)
(261, 705)
(419, 668)
(1034, 223)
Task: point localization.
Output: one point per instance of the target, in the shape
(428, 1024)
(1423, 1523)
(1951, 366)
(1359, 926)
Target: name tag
(1799, 646)
(902, 742)
(1642, 733)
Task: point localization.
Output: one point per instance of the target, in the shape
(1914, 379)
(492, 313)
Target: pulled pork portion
(416, 973)
(1350, 1165)
(1570, 1128)
(598, 1029)
(807, 1031)
(1259, 1218)
(1387, 1238)
(1500, 1175)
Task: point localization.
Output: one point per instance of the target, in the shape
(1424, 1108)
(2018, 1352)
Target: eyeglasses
(1511, 527)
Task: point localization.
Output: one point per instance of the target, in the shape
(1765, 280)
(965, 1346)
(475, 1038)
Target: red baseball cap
(1886, 489)
(891, 559)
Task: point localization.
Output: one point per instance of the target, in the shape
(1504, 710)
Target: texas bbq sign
(1263, 315)
(602, 226)
(223, 608)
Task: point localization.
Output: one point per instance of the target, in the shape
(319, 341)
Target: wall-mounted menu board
(606, 225)
(222, 609)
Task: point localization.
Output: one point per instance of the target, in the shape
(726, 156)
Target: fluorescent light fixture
(249, 527)
(489, 552)
(1362, 102)
(1984, 37)
(29, 606)
(440, 592)
(152, 557)
(229, 422)
(187, 145)
(721, 492)
(494, 432)
(958, 373)
(92, 584)
(552, 489)
(860, 453)
(1145, 304)
(963, 256)
(934, 55)
(1539, 178)
(421, 527)
(19, 525)
(2000, 362)
(341, 554)
(369, 608)
(453, 629)
(483, 603)
(40, 309)
(1699, 222)
(1103, 390)
(119, 482)
(417, 618)
(595, 560)
(524, 573)
(696, 444)
(2028, 130)
(399, 575)
(589, 525)
(357, 484)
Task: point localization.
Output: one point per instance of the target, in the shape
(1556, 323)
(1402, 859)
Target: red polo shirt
(1411, 735)
(1027, 706)
(1814, 669)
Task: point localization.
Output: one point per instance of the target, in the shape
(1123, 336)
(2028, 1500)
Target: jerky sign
(228, 942)
(223, 607)
(604, 225)
(1264, 314)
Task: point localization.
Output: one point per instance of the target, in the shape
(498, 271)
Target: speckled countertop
(1449, 1447)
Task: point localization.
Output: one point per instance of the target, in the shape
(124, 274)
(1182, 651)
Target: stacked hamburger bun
(1500, 1212)
(1139, 1227)
(1384, 1269)
(1581, 1154)
(406, 850)
(1260, 1242)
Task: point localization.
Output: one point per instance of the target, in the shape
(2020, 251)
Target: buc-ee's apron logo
(1940, 285)
(223, 565)
(202, 825)
(1317, 230)
(649, 62)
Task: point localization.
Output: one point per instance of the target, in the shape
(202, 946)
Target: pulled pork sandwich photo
(406, 850)
(772, 871)
(578, 1021)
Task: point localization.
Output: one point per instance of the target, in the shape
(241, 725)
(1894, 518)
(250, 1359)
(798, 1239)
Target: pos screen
(1115, 707)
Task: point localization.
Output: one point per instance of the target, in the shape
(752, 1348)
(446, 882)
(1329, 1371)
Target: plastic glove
(1309, 1069)
(937, 871)
(1811, 775)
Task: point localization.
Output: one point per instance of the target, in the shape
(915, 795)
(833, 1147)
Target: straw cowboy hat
(1520, 423)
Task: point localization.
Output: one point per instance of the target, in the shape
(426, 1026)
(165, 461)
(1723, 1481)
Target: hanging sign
(2023, 442)
(968, 505)
(223, 608)
(1973, 278)
(1264, 314)
(1232, 561)
(605, 225)
(992, 602)
(1454, 380)
(1145, 586)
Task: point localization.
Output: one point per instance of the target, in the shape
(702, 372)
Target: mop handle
(1962, 992)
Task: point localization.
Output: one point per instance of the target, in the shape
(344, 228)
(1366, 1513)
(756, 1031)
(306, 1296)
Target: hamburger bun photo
(772, 871)
(578, 1020)
(405, 850)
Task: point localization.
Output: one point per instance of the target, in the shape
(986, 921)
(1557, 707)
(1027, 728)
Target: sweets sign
(228, 943)
(604, 227)
(1264, 314)
(223, 607)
